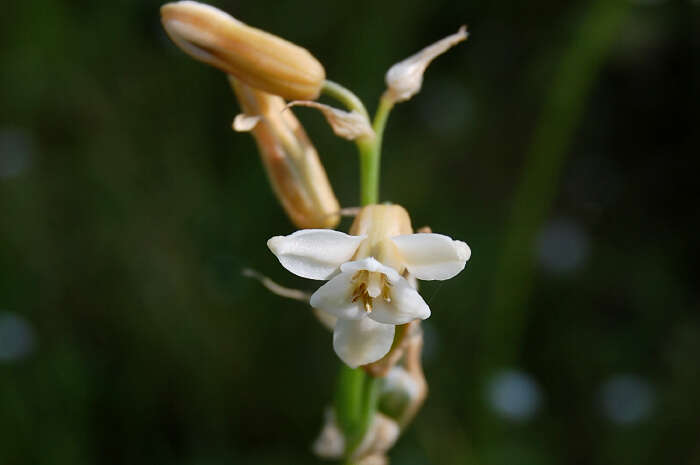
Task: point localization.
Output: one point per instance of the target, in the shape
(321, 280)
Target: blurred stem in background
(566, 100)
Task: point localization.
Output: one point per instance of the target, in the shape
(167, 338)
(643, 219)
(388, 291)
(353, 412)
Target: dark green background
(122, 239)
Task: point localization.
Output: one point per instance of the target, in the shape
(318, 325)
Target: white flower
(367, 289)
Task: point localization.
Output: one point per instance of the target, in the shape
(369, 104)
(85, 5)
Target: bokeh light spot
(562, 246)
(514, 395)
(16, 151)
(16, 337)
(626, 399)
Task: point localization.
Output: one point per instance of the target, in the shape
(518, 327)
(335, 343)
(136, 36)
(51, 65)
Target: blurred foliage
(128, 208)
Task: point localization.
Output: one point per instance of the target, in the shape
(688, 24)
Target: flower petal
(405, 305)
(432, 256)
(314, 253)
(334, 297)
(370, 264)
(359, 342)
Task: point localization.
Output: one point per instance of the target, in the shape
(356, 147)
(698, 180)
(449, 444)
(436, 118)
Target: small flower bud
(400, 390)
(379, 438)
(291, 161)
(405, 78)
(257, 58)
(330, 443)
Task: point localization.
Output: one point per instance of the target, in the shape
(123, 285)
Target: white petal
(405, 305)
(334, 297)
(370, 264)
(359, 342)
(432, 256)
(314, 253)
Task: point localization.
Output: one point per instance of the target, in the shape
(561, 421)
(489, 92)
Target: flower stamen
(370, 285)
(386, 292)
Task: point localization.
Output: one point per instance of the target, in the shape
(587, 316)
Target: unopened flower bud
(405, 78)
(330, 443)
(258, 58)
(399, 391)
(291, 161)
(379, 438)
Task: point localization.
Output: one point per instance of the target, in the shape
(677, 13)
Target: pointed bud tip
(405, 78)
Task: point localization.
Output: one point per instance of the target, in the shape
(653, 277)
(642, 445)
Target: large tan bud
(257, 58)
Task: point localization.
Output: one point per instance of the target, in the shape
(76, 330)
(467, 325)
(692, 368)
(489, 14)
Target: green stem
(371, 154)
(370, 148)
(356, 400)
(345, 96)
(385, 105)
(369, 173)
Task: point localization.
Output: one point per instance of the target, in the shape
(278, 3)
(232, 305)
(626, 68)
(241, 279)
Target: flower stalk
(356, 397)
(370, 299)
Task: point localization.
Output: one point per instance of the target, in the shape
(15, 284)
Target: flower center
(369, 285)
